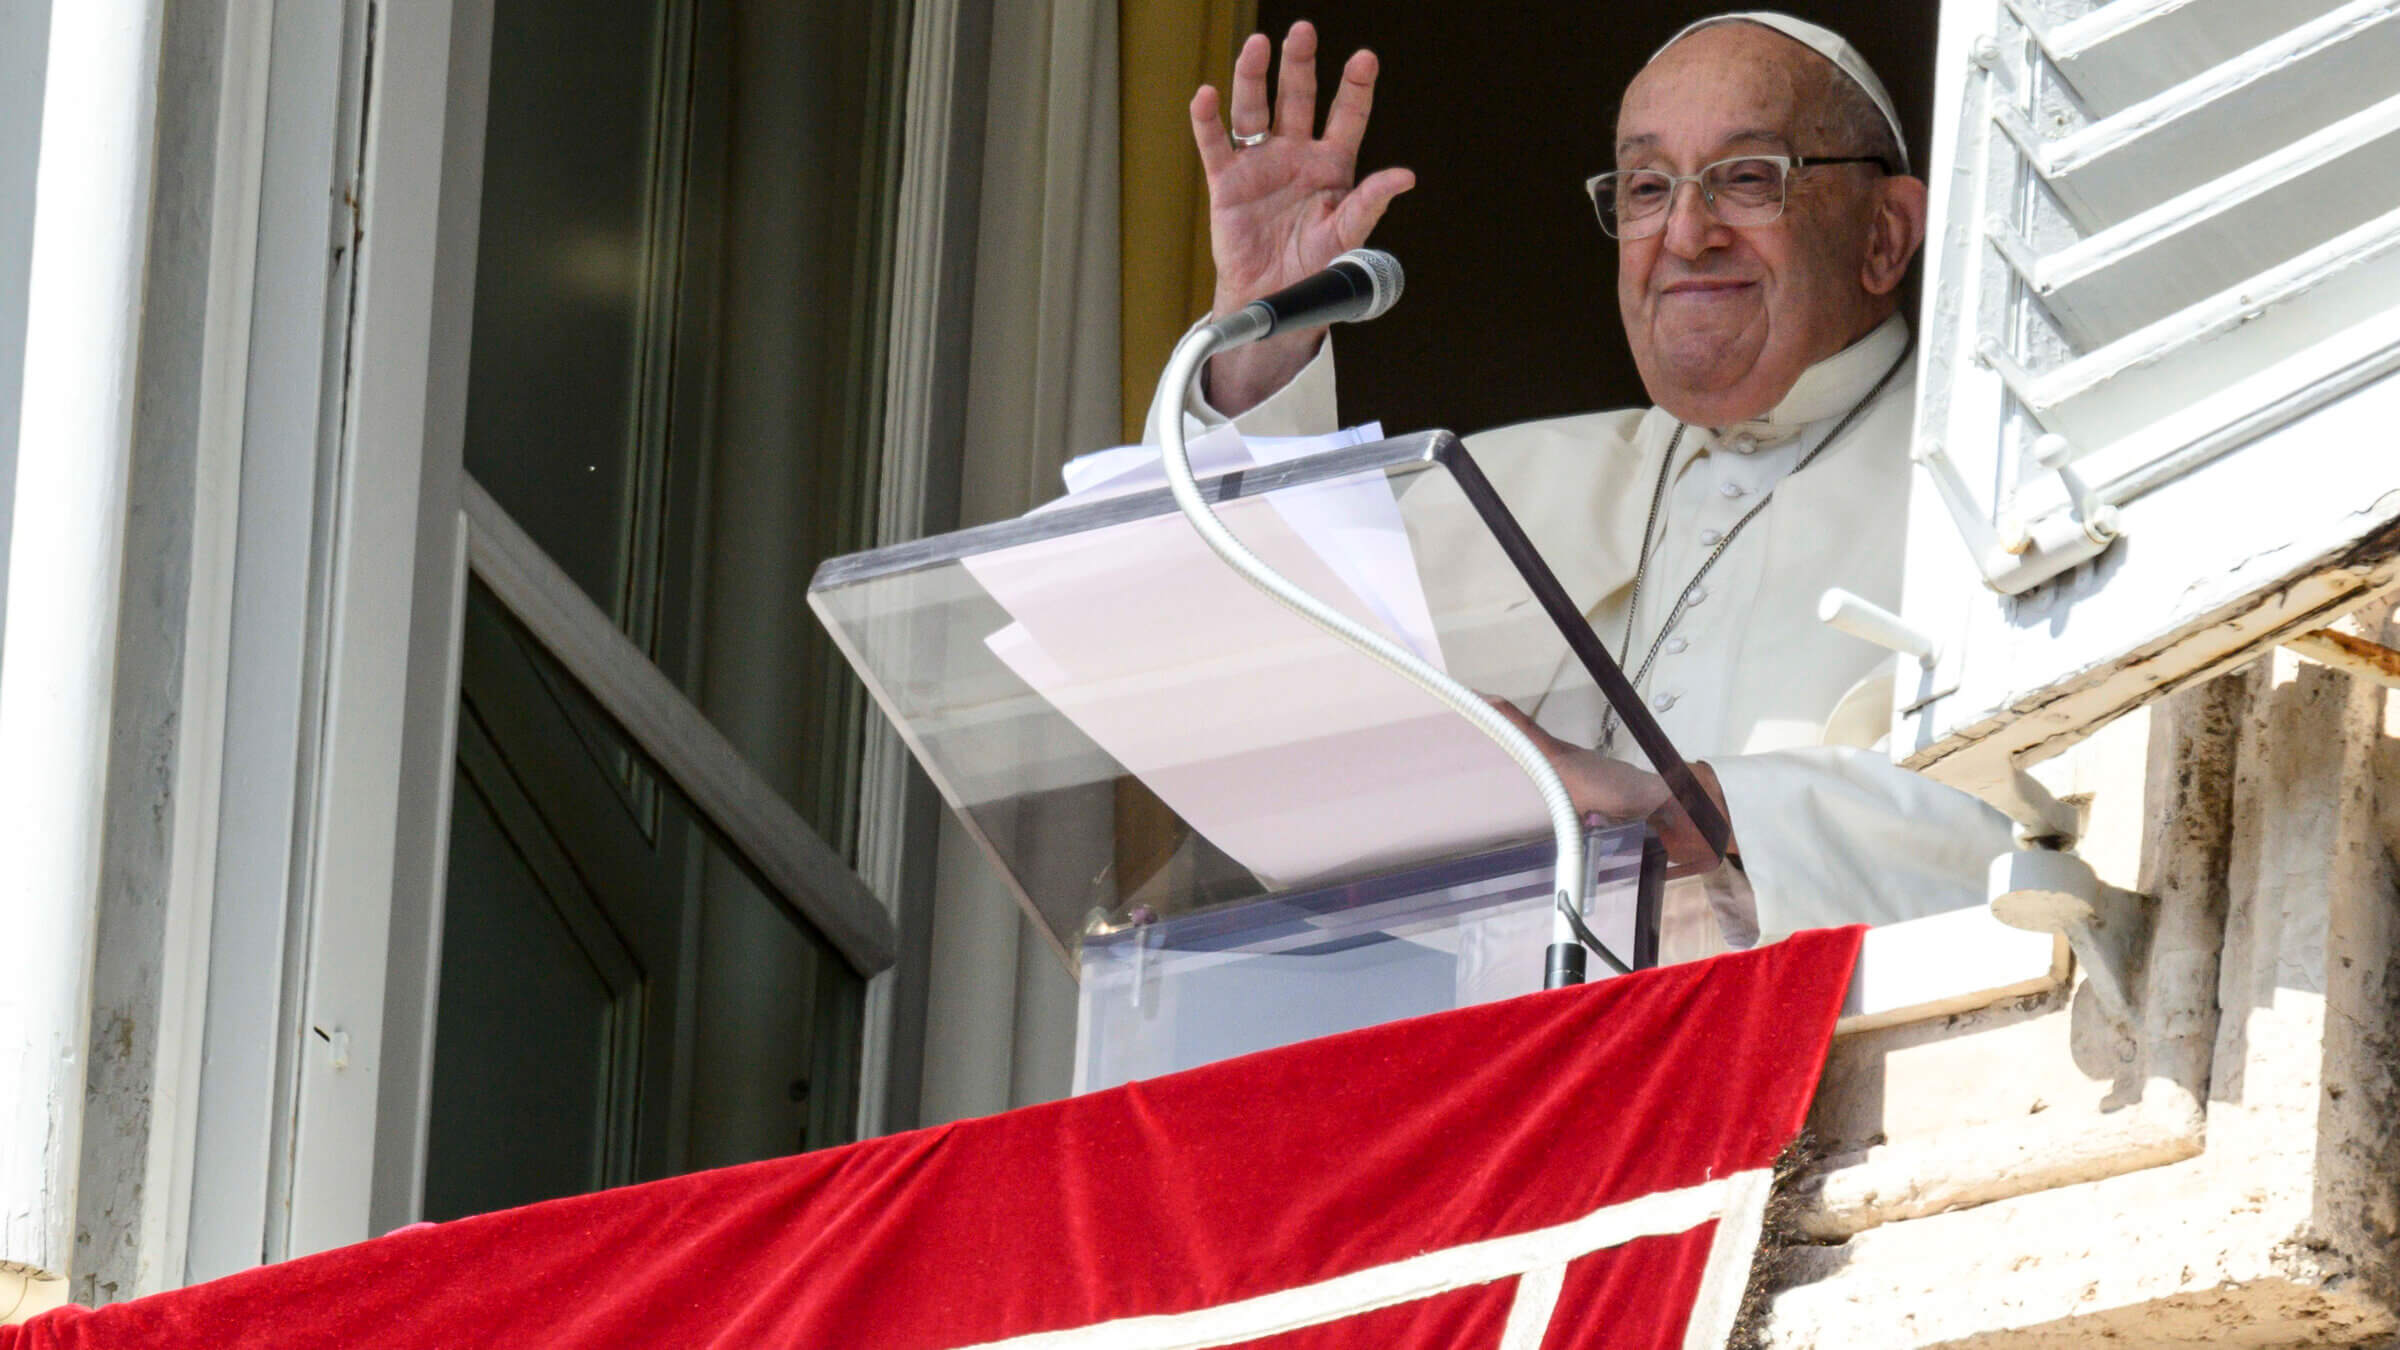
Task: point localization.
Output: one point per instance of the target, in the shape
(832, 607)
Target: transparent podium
(1238, 831)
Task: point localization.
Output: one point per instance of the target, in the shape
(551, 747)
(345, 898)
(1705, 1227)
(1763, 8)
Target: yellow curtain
(1168, 48)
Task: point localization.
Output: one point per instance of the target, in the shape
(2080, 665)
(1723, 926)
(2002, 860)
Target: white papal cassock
(1790, 713)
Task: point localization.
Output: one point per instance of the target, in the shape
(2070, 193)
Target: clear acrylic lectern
(1238, 830)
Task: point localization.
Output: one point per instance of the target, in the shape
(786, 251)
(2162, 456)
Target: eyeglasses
(1749, 190)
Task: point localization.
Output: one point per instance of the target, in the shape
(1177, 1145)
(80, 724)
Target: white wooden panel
(2288, 532)
(2138, 403)
(2217, 359)
(925, 374)
(2118, 54)
(350, 852)
(429, 764)
(2217, 234)
(2275, 93)
(292, 323)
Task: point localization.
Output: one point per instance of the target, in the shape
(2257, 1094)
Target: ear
(1894, 233)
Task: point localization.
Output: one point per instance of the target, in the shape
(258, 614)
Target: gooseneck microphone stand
(1564, 963)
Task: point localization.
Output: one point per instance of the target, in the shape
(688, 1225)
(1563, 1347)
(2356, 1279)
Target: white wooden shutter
(2157, 414)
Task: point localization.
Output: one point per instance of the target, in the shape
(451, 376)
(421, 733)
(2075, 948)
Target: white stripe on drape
(1727, 1273)
(1418, 1277)
(1529, 1315)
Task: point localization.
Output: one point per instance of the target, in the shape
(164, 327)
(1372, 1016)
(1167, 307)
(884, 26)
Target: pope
(1764, 218)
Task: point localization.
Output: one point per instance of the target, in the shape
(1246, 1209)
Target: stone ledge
(2186, 1254)
(1979, 1165)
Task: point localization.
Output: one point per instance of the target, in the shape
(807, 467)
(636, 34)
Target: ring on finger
(1244, 140)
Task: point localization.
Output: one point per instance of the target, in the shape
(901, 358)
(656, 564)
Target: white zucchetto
(1824, 42)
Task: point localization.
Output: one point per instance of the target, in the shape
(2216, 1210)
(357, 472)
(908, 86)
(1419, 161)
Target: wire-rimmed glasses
(1744, 190)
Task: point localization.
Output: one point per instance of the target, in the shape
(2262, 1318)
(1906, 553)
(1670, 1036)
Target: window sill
(1947, 963)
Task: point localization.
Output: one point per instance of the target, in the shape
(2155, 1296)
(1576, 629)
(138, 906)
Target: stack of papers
(1352, 525)
(1296, 755)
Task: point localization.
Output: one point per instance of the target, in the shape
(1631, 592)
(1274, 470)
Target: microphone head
(1383, 275)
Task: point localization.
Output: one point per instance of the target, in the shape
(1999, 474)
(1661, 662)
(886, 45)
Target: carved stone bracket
(2048, 891)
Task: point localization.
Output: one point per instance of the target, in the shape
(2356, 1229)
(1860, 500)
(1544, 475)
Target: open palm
(1285, 207)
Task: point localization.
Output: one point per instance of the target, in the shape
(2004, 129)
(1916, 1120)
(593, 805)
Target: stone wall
(2223, 1171)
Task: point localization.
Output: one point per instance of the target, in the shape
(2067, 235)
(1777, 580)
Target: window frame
(348, 577)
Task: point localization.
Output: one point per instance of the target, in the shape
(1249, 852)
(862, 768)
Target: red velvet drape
(1267, 1173)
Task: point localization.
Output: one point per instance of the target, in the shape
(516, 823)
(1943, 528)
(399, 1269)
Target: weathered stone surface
(2012, 1177)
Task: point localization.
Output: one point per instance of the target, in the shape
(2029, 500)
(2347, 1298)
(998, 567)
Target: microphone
(1356, 286)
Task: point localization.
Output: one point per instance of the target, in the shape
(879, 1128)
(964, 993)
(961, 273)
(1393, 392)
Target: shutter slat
(2168, 232)
(2170, 384)
(2318, 73)
(2121, 53)
(2184, 250)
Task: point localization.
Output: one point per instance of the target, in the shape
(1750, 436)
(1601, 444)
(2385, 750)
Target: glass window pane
(555, 426)
(621, 997)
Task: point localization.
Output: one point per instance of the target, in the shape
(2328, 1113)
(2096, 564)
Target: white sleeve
(1303, 407)
(1834, 835)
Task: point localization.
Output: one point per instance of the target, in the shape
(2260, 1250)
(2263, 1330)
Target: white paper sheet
(1132, 468)
(1294, 754)
(1352, 524)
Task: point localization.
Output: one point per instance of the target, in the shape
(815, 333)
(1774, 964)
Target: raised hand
(1284, 207)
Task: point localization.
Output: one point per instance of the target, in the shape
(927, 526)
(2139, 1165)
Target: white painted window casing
(89, 248)
(296, 318)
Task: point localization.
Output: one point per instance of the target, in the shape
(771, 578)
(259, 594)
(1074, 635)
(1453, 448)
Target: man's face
(1723, 320)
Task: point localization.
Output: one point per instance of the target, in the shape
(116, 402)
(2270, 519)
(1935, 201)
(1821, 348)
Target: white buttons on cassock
(1661, 702)
(1743, 445)
(1732, 490)
(1709, 537)
(1695, 595)
(1676, 646)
